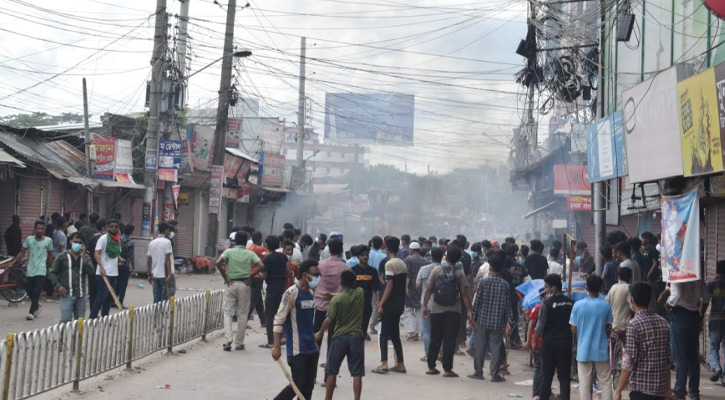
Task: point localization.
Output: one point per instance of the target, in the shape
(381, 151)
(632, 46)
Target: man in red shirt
(535, 345)
(257, 302)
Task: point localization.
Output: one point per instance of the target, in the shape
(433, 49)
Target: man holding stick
(107, 254)
(295, 318)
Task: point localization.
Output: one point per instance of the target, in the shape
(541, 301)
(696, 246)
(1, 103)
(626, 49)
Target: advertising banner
(571, 180)
(215, 190)
(170, 154)
(606, 153)
(234, 133)
(386, 119)
(168, 175)
(104, 156)
(202, 147)
(124, 157)
(652, 127)
(699, 124)
(681, 237)
(271, 169)
(579, 203)
(187, 166)
(151, 159)
(176, 189)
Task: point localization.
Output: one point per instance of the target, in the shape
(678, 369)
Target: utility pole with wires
(599, 202)
(87, 131)
(220, 133)
(152, 134)
(301, 107)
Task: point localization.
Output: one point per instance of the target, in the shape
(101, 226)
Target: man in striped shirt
(295, 318)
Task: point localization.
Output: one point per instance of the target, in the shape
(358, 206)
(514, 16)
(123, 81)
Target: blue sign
(606, 151)
(170, 153)
(386, 119)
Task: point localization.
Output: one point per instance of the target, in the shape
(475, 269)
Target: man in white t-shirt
(107, 254)
(160, 265)
(554, 266)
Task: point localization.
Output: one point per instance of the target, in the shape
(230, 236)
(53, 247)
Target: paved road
(207, 372)
(13, 317)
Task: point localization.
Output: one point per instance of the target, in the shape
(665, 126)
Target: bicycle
(616, 352)
(12, 281)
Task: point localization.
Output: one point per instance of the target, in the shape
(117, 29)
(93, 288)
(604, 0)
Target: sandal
(450, 374)
(379, 370)
(398, 370)
(432, 372)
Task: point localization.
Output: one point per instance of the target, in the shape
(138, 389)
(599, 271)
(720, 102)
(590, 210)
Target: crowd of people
(83, 263)
(455, 296)
(460, 297)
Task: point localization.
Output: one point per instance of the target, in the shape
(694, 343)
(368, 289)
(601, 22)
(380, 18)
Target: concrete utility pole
(599, 202)
(220, 134)
(89, 170)
(152, 134)
(183, 36)
(301, 107)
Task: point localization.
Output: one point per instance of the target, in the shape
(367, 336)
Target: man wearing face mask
(295, 318)
(69, 274)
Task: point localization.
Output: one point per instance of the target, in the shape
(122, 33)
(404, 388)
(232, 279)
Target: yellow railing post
(207, 295)
(8, 365)
(79, 345)
(129, 343)
(172, 304)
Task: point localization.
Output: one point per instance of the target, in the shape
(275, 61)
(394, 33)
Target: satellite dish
(717, 7)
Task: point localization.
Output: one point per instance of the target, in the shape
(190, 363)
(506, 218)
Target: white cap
(414, 246)
(232, 235)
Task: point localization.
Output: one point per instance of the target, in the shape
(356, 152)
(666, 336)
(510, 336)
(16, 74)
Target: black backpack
(446, 288)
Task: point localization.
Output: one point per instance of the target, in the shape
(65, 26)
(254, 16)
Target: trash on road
(515, 395)
(167, 386)
(140, 286)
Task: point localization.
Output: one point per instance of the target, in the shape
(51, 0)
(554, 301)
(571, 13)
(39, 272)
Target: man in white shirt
(554, 266)
(160, 265)
(107, 253)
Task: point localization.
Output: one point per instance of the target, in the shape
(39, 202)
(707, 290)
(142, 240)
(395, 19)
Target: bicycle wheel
(616, 362)
(17, 292)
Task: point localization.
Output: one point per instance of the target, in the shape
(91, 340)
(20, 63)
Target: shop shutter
(714, 237)
(7, 189)
(74, 199)
(29, 201)
(205, 222)
(54, 197)
(185, 228)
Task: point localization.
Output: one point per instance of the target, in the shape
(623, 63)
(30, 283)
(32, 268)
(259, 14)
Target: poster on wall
(681, 237)
(215, 190)
(202, 146)
(103, 154)
(234, 132)
(699, 124)
(187, 166)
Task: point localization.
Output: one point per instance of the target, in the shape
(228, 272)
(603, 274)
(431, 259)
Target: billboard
(606, 153)
(202, 146)
(571, 180)
(271, 169)
(699, 124)
(260, 135)
(103, 154)
(352, 118)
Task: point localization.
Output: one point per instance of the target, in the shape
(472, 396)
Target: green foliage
(40, 119)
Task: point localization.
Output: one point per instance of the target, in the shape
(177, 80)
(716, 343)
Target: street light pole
(220, 133)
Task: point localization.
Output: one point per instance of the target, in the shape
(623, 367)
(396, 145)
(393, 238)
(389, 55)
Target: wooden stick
(113, 293)
(289, 378)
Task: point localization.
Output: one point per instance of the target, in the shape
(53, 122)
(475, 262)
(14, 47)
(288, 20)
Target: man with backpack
(447, 284)
(492, 315)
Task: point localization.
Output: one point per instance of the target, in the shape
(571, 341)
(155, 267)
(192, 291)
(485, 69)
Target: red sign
(571, 180)
(168, 212)
(168, 175)
(716, 6)
(175, 189)
(105, 158)
(579, 203)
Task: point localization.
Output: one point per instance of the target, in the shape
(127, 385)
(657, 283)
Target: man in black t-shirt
(536, 263)
(366, 277)
(276, 273)
(556, 347)
(390, 307)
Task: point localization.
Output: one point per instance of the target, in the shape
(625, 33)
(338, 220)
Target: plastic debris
(140, 286)
(515, 395)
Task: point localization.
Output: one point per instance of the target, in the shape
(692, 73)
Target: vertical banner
(234, 133)
(175, 189)
(169, 213)
(103, 153)
(215, 190)
(187, 166)
(681, 237)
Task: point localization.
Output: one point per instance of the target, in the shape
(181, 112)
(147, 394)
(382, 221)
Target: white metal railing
(38, 361)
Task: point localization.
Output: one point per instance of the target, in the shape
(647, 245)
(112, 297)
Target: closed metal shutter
(714, 237)
(54, 197)
(30, 190)
(74, 199)
(7, 188)
(185, 228)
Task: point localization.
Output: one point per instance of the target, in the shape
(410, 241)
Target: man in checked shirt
(647, 355)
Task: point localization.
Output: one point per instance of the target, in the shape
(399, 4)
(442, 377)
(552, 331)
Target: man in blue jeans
(69, 274)
(686, 302)
(421, 282)
(716, 321)
(160, 261)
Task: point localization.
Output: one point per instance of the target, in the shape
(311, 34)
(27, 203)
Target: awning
(540, 209)
(6, 158)
(122, 185)
(241, 154)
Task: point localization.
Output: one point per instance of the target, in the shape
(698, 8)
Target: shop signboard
(215, 190)
(271, 167)
(606, 153)
(202, 147)
(571, 180)
(234, 133)
(103, 154)
(681, 237)
(170, 154)
(699, 124)
(124, 157)
(579, 203)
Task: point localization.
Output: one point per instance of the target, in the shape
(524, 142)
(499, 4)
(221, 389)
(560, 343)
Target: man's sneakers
(476, 376)
(498, 378)
(30, 317)
(227, 346)
(36, 314)
(239, 347)
(715, 376)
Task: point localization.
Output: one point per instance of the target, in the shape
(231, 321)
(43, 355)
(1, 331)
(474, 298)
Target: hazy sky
(456, 57)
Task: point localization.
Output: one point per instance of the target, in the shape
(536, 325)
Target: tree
(40, 119)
